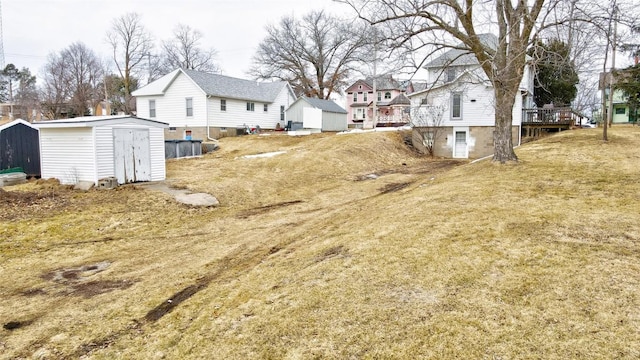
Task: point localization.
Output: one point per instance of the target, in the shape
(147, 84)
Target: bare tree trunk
(502, 135)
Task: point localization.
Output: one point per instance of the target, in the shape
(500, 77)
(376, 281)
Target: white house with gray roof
(455, 112)
(315, 113)
(209, 106)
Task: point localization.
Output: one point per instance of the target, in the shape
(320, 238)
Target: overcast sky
(32, 29)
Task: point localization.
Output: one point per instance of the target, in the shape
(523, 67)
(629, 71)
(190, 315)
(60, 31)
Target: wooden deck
(534, 121)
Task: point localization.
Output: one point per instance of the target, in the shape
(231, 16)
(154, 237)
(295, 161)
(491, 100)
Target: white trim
(92, 121)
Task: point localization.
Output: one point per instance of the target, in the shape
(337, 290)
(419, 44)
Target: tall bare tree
(85, 71)
(184, 51)
(457, 24)
(316, 54)
(131, 45)
(56, 87)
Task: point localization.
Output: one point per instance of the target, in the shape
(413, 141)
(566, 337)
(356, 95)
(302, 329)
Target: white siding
(237, 115)
(156, 143)
(68, 154)
(295, 112)
(334, 121)
(104, 152)
(171, 108)
(87, 153)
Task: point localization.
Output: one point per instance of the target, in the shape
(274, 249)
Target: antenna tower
(1, 41)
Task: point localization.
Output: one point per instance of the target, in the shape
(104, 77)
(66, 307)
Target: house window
(387, 96)
(281, 112)
(355, 97)
(223, 105)
(620, 111)
(379, 96)
(365, 97)
(456, 105)
(451, 74)
(265, 107)
(189, 106)
(360, 114)
(172, 129)
(251, 106)
(152, 108)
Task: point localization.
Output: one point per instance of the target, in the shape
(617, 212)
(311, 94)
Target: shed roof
(16, 122)
(325, 105)
(92, 121)
(219, 86)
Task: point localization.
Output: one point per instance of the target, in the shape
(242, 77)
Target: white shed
(321, 114)
(91, 148)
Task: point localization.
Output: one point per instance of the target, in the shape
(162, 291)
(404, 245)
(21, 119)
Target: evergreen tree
(556, 76)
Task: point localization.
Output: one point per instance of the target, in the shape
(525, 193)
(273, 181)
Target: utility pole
(1, 40)
(375, 75)
(609, 119)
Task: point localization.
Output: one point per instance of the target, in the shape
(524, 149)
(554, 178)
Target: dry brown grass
(310, 256)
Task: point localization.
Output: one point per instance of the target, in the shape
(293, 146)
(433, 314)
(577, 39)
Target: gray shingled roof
(326, 105)
(401, 99)
(384, 82)
(457, 57)
(233, 88)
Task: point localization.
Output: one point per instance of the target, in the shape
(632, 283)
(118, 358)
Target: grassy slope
(305, 259)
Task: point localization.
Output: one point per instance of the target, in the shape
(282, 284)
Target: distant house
(622, 112)
(91, 148)
(455, 112)
(314, 113)
(203, 106)
(19, 147)
(390, 101)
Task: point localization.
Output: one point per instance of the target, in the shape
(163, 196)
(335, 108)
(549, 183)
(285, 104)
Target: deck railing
(393, 119)
(550, 116)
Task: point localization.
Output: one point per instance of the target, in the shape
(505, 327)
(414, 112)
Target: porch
(535, 121)
(393, 120)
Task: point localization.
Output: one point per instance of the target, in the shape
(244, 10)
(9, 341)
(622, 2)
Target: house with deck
(454, 115)
(388, 102)
(201, 105)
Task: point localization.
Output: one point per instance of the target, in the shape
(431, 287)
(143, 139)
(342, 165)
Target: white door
(132, 155)
(460, 146)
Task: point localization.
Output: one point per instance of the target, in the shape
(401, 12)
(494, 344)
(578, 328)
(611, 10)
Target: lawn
(341, 247)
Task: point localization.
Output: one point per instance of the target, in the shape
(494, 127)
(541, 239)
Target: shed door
(132, 155)
(460, 146)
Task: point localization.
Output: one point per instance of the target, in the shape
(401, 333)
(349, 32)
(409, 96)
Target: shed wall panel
(68, 154)
(334, 121)
(156, 148)
(104, 152)
(19, 147)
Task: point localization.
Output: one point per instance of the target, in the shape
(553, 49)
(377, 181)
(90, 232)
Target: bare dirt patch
(332, 252)
(389, 188)
(266, 208)
(20, 204)
(76, 281)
